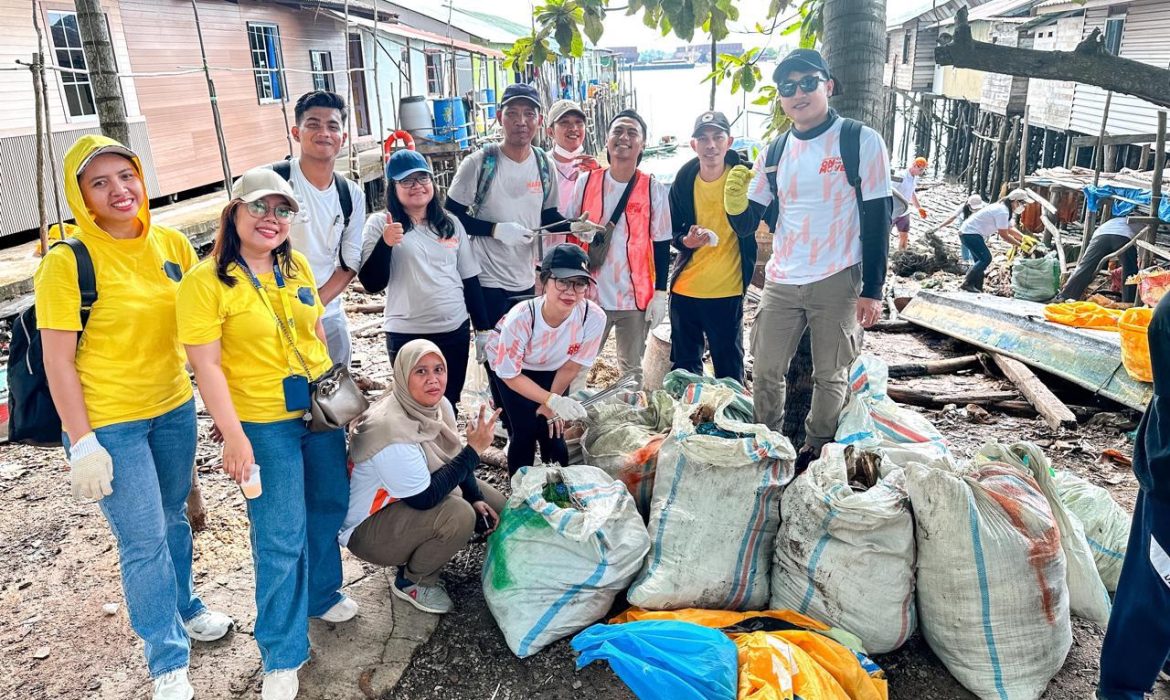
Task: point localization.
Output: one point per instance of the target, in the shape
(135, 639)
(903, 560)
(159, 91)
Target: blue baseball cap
(520, 91)
(406, 162)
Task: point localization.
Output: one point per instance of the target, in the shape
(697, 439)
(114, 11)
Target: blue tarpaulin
(1124, 206)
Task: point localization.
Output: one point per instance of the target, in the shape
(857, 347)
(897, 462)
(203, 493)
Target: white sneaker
(208, 626)
(280, 685)
(342, 611)
(173, 686)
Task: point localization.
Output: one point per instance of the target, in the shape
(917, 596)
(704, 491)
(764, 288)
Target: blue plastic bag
(664, 658)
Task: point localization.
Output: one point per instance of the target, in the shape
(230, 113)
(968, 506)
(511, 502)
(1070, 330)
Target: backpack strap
(851, 155)
(86, 278)
(542, 165)
(487, 173)
(772, 158)
(346, 201)
(283, 168)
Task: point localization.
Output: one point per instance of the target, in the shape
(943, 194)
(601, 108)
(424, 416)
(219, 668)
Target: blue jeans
(295, 521)
(147, 513)
(973, 282)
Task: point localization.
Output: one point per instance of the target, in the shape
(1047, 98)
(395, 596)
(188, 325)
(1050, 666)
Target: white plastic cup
(251, 487)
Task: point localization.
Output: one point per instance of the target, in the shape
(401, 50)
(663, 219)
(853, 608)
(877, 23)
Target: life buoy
(400, 135)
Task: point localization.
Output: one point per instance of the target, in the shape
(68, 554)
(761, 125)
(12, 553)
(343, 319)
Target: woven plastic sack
(569, 541)
(715, 508)
(1135, 344)
(1036, 279)
(871, 419)
(846, 557)
(1106, 523)
(992, 595)
(679, 381)
(1087, 597)
(623, 437)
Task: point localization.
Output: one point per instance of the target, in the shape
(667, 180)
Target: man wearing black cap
(1137, 642)
(828, 262)
(630, 258)
(714, 266)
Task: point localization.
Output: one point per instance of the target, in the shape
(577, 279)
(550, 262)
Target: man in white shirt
(325, 233)
(829, 252)
(905, 185)
(1110, 237)
(566, 128)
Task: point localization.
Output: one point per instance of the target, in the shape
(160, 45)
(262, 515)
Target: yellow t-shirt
(713, 272)
(128, 358)
(255, 356)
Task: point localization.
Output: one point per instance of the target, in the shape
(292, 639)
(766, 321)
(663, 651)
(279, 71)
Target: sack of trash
(1036, 279)
(684, 386)
(715, 508)
(845, 548)
(1106, 523)
(623, 437)
(992, 594)
(873, 420)
(568, 542)
(1087, 597)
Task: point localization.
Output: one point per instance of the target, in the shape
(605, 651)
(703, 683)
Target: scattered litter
(41, 653)
(110, 608)
(1113, 456)
(977, 414)
(1112, 419)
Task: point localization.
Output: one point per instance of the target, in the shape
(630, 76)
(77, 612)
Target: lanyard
(287, 325)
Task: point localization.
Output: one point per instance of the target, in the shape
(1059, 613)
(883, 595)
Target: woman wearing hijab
(129, 423)
(250, 318)
(422, 257)
(414, 498)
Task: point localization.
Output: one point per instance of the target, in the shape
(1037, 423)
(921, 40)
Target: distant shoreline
(663, 65)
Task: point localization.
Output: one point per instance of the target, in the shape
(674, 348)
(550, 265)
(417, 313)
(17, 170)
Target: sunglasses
(260, 209)
(417, 181)
(807, 84)
(571, 285)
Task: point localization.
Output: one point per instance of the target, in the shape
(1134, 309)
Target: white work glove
(481, 338)
(511, 233)
(91, 469)
(585, 230)
(565, 408)
(656, 309)
(712, 238)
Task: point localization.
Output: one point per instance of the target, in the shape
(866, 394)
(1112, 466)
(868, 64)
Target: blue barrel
(489, 99)
(451, 121)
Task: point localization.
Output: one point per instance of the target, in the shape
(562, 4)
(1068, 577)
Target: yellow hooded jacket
(128, 358)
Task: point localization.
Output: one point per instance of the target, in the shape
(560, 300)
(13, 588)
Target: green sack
(1036, 279)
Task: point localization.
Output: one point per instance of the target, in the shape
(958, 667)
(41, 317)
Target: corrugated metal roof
(998, 9)
(410, 32)
(929, 11)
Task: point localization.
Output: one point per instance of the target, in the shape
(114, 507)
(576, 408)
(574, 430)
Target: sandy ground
(58, 567)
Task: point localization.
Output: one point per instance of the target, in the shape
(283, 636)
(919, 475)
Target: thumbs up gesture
(392, 232)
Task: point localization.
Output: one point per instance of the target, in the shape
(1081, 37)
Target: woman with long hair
(422, 257)
(117, 377)
(250, 318)
(979, 228)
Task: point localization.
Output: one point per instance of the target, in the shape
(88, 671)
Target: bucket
(488, 97)
(1135, 344)
(451, 121)
(414, 116)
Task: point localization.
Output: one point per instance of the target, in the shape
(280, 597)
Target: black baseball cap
(805, 60)
(520, 91)
(715, 119)
(565, 261)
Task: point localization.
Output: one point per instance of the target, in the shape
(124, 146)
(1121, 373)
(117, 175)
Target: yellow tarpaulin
(1083, 314)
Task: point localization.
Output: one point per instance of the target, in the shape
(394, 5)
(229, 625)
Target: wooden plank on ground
(925, 398)
(1052, 409)
(931, 367)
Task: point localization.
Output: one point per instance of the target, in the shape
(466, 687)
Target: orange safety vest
(639, 246)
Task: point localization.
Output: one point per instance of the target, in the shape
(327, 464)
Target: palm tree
(854, 36)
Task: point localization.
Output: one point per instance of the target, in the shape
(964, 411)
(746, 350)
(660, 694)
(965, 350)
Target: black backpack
(33, 418)
(283, 168)
(850, 158)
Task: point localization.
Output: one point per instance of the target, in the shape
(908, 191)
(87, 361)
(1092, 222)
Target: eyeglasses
(418, 181)
(260, 209)
(807, 84)
(574, 285)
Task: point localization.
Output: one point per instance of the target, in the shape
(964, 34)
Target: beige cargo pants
(828, 308)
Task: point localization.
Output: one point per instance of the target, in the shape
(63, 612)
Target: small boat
(666, 146)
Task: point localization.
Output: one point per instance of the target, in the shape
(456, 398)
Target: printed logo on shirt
(305, 294)
(534, 187)
(173, 271)
(451, 243)
(833, 164)
(574, 349)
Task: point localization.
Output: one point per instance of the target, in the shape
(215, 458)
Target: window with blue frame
(267, 61)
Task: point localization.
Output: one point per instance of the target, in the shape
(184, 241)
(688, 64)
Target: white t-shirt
(425, 291)
(818, 233)
(398, 471)
(319, 231)
(522, 340)
(515, 195)
(1118, 226)
(567, 176)
(907, 184)
(988, 221)
(615, 285)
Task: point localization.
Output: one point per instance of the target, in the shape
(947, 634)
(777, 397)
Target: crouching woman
(414, 498)
(250, 318)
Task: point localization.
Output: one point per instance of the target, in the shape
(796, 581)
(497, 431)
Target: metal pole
(1090, 220)
(223, 154)
(1156, 190)
(377, 86)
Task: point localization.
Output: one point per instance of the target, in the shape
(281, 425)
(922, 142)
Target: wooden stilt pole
(219, 137)
(1090, 220)
(1156, 199)
(1024, 147)
(40, 169)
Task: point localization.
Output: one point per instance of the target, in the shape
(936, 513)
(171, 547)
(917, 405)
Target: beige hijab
(397, 418)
